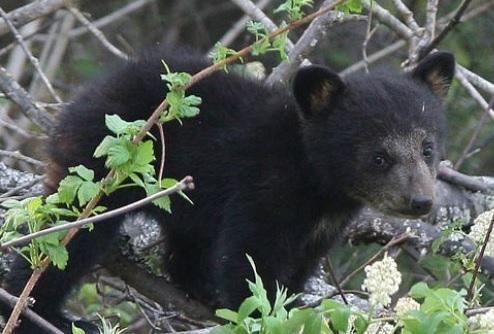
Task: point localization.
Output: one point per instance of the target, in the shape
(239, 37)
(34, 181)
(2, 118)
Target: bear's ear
(437, 71)
(315, 88)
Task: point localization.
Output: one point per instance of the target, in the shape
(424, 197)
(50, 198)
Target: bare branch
(17, 94)
(10, 300)
(374, 57)
(449, 26)
(476, 79)
(112, 17)
(480, 124)
(306, 44)
(431, 16)
(97, 33)
(19, 156)
(30, 12)
(32, 59)
(385, 17)
(146, 283)
(473, 92)
(407, 14)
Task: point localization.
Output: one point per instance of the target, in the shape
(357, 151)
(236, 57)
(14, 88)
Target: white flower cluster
(380, 328)
(479, 230)
(483, 321)
(382, 280)
(405, 305)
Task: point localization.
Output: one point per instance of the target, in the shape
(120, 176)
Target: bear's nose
(421, 204)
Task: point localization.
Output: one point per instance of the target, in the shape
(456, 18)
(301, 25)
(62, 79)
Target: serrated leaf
(163, 202)
(145, 153)
(51, 246)
(115, 124)
(87, 191)
(67, 188)
(117, 156)
(84, 172)
(103, 147)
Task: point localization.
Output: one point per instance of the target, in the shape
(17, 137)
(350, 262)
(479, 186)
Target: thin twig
(20, 131)
(475, 134)
(111, 18)
(19, 156)
(97, 33)
(163, 152)
(451, 24)
(368, 35)
(185, 184)
(374, 57)
(479, 260)
(473, 92)
(30, 12)
(335, 279)
(34, 61)
(25, 185)
(393, 242)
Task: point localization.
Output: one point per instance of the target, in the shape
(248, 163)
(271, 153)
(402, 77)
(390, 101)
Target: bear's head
(377, 138)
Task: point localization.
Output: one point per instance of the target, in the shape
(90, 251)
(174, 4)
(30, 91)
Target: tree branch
(30, 12)
(17, 94)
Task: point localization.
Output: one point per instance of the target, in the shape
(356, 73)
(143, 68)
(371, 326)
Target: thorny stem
(154, 118)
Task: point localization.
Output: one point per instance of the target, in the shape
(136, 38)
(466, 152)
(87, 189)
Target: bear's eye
(379, 160)
(428, 151)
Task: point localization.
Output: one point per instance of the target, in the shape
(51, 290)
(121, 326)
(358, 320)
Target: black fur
(272, 181)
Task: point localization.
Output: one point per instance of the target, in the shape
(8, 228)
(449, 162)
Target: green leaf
(221, 330)
(33, 204)
(85, 173)
(313, 324)
(248, 306)
(117, 156)
(77, 330)
(51, 246)
(163, 202)
(11, 203)
(67, 188)
(297, 318)
(87, 191)
(145, 153)
(115, 124)
(419, 290)
(104, 146)
(227, 315)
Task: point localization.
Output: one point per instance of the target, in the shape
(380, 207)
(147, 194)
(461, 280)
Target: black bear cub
(277, 173)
